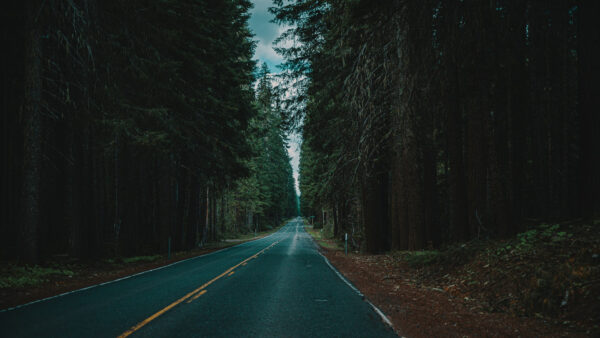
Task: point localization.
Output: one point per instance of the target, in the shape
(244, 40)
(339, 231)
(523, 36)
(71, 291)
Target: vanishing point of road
(277, 286)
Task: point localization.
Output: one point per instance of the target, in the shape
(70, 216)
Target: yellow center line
(175, 303)
(196, 296)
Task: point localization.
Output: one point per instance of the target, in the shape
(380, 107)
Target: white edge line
(381, 314)
(342, 277)
(130, 276)
(384, 318)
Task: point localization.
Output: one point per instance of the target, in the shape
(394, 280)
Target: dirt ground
(421, 311)
(525, 287)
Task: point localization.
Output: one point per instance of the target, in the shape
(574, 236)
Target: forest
(130, 126)
(433, 122)
(440, 160)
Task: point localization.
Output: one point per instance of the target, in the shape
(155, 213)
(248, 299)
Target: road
(277, 286)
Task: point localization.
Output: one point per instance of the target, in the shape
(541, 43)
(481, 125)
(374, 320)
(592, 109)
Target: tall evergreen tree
(449, 120)
(138, 121)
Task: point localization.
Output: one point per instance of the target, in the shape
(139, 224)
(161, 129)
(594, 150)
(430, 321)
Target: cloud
(265, 33)
(266, 53)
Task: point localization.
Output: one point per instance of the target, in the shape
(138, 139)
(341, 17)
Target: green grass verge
(322, 239)
(266, 230)
(23, 276)
(419, 258)
(141, 259)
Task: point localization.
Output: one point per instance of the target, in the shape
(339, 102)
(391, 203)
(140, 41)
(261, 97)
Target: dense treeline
(129, 123)
(268, 194)
(429, 122)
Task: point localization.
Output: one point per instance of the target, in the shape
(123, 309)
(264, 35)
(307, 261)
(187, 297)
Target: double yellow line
(192, 295)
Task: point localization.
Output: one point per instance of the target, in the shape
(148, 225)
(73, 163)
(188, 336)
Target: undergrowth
(548, 271)
(323, 238)
(136, 259)
(15, 276)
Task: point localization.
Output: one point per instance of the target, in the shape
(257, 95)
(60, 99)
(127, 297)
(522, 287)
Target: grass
(23, 276)
(420, 258)
(322, 239)
(15, 276)
(244, 237)
(548, 270)
(267, 230)
(141, 259)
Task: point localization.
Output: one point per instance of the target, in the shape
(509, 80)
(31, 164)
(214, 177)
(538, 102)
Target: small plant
(526, 239)
(23, 276)
(544, 233)
(141, 259)
(422, 258)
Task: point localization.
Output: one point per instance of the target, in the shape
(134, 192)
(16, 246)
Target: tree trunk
(207, 224)
(457, 195)
(374, 202)
(249, 219)
(222, 213)
(336, 221)
(32, 159)
(517, 112)
(476, 167)
(588, 36)
(213, 212)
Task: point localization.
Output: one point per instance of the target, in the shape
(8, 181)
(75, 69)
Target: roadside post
(346, 244)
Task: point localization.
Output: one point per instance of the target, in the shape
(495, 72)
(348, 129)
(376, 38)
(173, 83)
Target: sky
(265, 32)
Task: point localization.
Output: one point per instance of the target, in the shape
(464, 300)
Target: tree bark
(374, 201)
(457, 194)
(588, 36)
(32, 160)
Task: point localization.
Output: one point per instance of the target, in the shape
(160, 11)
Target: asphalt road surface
(278, 286)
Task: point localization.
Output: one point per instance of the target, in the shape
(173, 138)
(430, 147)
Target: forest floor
(60, 273)
(543, 282)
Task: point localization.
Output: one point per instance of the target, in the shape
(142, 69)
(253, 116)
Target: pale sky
(265, 32)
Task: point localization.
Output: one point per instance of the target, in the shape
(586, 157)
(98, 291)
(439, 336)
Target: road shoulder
(417, 309)
(63, 275)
